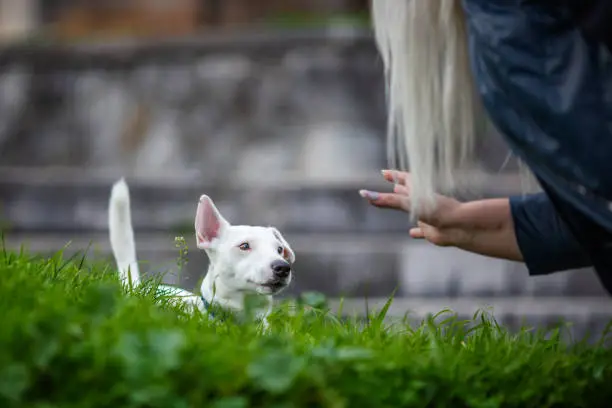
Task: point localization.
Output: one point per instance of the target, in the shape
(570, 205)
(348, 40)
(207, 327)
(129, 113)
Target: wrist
(489, 215)
(450, 213)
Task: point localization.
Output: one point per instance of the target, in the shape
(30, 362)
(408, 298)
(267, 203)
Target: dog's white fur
(235, 269)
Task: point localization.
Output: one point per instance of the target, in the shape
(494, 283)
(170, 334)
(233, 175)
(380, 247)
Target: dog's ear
(209, 224)
(289, 255)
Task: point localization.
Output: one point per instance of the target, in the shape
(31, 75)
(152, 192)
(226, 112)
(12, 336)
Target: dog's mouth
(273, 285)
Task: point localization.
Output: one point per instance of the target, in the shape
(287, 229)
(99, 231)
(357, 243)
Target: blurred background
(274, 108)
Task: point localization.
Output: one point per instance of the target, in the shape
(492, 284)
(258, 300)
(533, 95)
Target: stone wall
(313, 108)
(278, 129)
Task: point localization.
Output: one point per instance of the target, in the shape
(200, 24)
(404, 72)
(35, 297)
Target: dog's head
(245, 258)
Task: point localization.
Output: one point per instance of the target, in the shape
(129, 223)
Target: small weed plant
(72, 336)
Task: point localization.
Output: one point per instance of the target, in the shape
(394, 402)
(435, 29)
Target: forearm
(489, 229)
(526, 229)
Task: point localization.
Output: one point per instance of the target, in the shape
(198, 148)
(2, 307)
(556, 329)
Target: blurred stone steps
(328, 265)
(345, 247)
(522, 306)
(299, 118)
(74, 200)
(582, 318)
(348, 265)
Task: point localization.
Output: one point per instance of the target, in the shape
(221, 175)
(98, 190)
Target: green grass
(72, 337)
(306, 20)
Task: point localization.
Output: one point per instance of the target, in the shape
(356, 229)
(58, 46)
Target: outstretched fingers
(386, 200)
(397, 177)
(401, 189)
(417, 233)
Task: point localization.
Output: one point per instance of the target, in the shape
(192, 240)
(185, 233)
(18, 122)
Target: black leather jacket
(544, 71)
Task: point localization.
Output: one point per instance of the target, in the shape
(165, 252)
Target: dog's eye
(244, 246)
(280, 250)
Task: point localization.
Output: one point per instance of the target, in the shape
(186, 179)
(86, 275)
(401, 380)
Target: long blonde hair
(435, 117)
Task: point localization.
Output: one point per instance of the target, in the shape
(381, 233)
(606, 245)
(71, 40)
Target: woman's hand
(484, 227)
(438, 226)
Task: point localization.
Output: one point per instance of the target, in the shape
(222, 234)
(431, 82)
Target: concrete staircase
(278, 128)
(345, 248)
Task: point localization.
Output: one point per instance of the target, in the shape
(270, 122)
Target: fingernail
(370, 195)
(385, 172)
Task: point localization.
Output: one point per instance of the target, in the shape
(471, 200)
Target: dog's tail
(122, 234)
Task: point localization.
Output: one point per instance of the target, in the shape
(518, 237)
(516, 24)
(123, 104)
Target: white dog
(243, 259)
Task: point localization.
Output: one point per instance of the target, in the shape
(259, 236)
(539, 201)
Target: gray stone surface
(44, 202)
(251, 107)
(220, 112)
(156, 208)
(580, 319)
(345, 265)
(279, 128)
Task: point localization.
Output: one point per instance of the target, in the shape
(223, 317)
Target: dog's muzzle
(281, 269)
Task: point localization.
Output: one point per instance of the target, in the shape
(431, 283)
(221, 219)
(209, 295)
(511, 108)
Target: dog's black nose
(281, 268)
